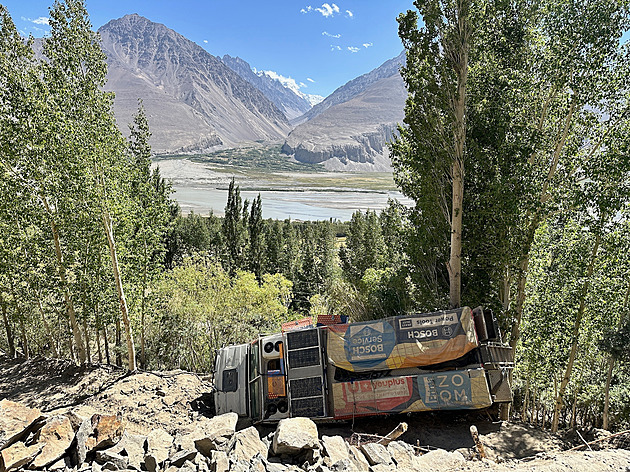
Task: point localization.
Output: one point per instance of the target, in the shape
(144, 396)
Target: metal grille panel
(308, 407)
(303, 338)
(307, 387)
(304, 358)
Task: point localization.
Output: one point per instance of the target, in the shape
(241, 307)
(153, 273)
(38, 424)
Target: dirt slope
(171, 400)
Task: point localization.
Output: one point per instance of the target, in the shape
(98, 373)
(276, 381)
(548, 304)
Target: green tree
(234, 226)
(429, 154)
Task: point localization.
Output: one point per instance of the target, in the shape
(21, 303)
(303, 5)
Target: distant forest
(515, 149)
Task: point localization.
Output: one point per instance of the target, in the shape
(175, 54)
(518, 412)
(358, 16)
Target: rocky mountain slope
(194, 102)
(352, 135)
(355, 87)
(55, 416)
(287, 101)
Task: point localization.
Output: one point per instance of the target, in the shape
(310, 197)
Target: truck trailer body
(446, 360)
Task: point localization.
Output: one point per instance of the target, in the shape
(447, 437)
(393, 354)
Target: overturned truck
(446, 360)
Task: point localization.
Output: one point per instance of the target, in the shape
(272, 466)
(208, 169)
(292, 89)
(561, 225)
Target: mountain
(193, 101)
(292, 103)
(354, 87)
(351, 135)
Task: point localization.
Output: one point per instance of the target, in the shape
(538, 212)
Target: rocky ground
(56, 416)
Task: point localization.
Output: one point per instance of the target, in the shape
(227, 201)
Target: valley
(289, 189)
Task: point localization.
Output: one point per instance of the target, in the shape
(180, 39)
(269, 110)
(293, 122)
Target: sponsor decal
(369, 343)
(427, 328)
(445, 389)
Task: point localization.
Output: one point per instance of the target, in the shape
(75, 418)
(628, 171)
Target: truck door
(231, 380)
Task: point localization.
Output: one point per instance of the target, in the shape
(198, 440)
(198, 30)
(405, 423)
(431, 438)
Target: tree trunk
(575, 336)
(25, 349)
(460, 66)
(7, 327)
(131, 350)
(88, 351)
(143, 357)
(78, 340)
(98, 345)
(106, 345)
(611, 363)
(118, 343)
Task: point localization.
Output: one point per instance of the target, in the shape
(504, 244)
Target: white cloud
(326, 33)
(326, 9)
(302, 85)
(310, 80)
(349, 13)
(42, 20)
(367, 45)
(335, 48)
(353, 49)
(205, 41)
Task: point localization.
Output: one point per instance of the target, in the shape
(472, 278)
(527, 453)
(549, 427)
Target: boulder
(180, 457)
(376, 454)
(246, 444)
(335, 448)
(438, 460)
(158, 444)
(222, 425)
(381, 468)
(118, 461)
(402, 453)
(359, 462)
(98, 432)
(134, 447)
(16, 421)
(219, 462)
(18, 456)
(56, 436)
(295, 434)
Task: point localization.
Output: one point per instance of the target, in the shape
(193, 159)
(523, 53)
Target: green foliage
(199, 308)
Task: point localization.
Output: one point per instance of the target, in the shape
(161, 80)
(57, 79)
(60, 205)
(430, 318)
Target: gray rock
(159, 443)
(59, 465)
(239, 466)
(219, 461)
(359, 462)
(402, 453)
(246, 444)
(113, 458)
(295, 434)
(151, 463)
(133, 446)
(180, 457)
(438, 460)
(222, 425)
(381, 468)
(188, 466)
(376, 454)
(335, 448)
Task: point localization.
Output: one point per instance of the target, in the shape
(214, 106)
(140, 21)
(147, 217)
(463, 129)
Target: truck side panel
(449, 390)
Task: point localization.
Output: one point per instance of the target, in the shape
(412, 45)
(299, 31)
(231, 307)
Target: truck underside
(447, 360)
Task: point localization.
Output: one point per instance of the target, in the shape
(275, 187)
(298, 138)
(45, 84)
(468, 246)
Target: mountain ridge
(194, 101)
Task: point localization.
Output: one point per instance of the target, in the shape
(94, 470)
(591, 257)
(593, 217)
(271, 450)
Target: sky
(317, 46)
